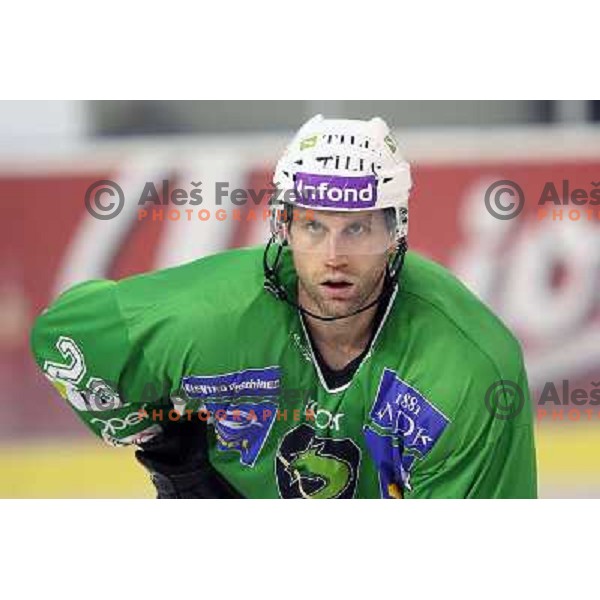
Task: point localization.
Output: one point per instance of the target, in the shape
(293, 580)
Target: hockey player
(332, 364)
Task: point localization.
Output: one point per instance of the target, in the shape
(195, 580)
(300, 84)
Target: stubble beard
(366, 292)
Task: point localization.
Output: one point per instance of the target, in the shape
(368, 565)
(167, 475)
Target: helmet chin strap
(273, 285)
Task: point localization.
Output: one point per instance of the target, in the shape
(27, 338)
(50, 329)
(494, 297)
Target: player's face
(340, 258)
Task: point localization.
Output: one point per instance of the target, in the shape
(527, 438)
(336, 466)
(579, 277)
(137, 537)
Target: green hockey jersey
(206, 341)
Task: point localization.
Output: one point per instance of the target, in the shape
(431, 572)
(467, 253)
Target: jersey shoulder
(222, 283)
(448, 314)
(189, 315)
(151, 316)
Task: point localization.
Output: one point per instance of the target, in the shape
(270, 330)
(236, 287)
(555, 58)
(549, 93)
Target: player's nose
(336, 254)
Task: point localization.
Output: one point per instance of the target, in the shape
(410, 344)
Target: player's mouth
(337, 289)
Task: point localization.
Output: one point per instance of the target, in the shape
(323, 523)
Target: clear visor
(341, 233)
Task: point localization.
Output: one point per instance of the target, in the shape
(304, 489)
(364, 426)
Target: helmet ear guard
(396, 258)
(280, 218)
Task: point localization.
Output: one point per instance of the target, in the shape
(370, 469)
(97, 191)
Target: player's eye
(357, 229)
(313, 227)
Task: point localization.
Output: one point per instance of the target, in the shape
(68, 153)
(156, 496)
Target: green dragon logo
(317, 468)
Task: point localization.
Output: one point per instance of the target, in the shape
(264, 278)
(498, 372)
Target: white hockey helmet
(341, 165)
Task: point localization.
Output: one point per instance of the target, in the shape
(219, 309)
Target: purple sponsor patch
(401, 410)
(334, 191)
(250, 382)
(411, 426)
(242, 427)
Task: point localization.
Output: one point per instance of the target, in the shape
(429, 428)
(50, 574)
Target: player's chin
(339, 307)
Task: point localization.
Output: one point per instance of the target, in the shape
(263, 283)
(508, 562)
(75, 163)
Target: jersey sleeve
(82, 345)
(486, 451)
